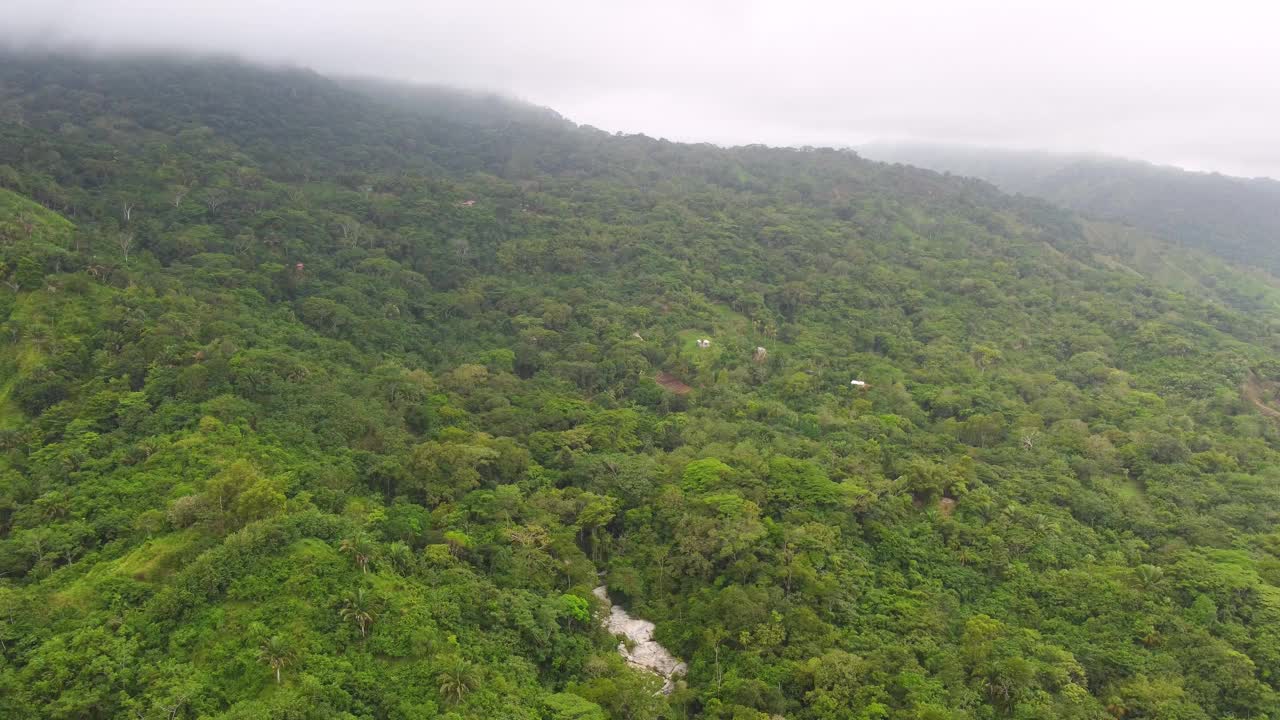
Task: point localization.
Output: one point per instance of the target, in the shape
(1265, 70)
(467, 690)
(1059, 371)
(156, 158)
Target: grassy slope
(22, 219)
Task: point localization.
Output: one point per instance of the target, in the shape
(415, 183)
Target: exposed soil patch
(1260, 393)
(672, 383)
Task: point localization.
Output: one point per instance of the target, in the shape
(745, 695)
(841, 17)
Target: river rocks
(644, 653)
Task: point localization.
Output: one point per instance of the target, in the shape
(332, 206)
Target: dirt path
(1254, 392)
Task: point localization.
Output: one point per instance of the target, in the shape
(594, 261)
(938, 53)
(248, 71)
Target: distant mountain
(1235, 218)
(479, 108)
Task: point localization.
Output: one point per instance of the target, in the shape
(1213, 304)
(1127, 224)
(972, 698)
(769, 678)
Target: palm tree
(358, 608)
(360, 549)
(457, 679)
(401, 557)
(1147, 577)
(276, 653)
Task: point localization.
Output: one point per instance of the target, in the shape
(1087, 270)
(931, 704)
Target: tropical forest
(332, 398)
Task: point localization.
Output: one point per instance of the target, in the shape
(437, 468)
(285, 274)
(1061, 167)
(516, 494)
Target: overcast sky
(1195, 84)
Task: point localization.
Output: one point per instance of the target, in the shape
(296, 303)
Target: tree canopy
(336, 400)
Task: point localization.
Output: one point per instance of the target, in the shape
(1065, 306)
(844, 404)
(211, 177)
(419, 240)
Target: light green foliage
(567, 706)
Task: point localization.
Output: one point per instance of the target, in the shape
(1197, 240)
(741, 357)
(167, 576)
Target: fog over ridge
(1196, 87)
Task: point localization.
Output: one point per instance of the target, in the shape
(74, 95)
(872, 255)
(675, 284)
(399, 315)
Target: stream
(645, 653)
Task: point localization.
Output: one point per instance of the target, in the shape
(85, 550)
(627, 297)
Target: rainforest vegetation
(1231, 217)
(335, 399)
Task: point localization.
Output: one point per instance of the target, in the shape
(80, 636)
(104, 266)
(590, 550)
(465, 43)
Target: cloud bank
(1191, 85)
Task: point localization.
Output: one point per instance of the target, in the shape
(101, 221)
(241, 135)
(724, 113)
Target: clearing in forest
(672, 383)
(1259, 392)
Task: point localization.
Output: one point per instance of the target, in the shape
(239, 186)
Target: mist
(1196, 87)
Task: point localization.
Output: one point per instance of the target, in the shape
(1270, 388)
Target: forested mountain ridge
(323, 400)
(1237, 219)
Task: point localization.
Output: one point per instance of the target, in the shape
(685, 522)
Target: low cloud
(1167, 82)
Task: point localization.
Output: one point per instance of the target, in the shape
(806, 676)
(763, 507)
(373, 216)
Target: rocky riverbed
(644, 652)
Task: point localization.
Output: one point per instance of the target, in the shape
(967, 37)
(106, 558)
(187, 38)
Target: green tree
(1147, 577)
(359, 607)
(457, 678)
(361, 549)
(276, 653)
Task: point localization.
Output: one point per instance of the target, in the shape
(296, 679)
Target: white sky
(1195, 84)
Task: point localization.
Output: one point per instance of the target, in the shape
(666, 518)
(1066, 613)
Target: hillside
(1237, 219)
(333, 399)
